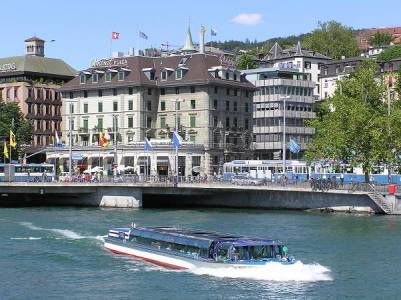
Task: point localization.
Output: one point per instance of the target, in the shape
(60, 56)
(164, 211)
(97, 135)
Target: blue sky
(82, 28)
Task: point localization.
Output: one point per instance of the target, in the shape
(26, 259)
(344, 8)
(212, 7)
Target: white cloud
(248, 19)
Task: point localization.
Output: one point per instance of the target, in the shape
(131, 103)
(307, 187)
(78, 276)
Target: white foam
(69, 234)
(26, 238)
(271, 272)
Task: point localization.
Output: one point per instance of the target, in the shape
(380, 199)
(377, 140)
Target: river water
(57, 253)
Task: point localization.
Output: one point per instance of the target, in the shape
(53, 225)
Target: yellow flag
(13, 142)
(5, 151)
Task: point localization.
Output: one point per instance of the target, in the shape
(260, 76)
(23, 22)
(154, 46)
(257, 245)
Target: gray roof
(37, 64)
(34, 38)
(277, 53)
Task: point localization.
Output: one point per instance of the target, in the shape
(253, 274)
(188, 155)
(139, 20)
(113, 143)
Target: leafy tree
(246, 61)
(333, 40)
(358, 127)
(390, 53)
(22, 127)
(380, 39)
(397, 86)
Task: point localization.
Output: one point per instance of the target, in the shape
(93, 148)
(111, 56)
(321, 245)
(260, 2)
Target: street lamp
(176, 101)
(71, 107)
(115, 118)
(284, 130)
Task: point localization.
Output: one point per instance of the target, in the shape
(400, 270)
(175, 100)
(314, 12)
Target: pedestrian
(342, 179)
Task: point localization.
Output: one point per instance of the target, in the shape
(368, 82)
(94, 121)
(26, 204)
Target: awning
(126, 69)
(112, 70)
(163, 161)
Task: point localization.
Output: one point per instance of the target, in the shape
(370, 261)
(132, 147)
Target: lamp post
(71, 107)
(284, 130)
(176, 101)
(115, 118)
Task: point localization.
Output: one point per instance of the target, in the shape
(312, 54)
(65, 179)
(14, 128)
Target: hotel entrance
(162, 165)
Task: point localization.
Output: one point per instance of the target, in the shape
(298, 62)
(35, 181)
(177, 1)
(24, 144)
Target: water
(57, 253)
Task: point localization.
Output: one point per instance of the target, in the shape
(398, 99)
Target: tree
(246, 61)
(22, 127)
(333, 40)
(358, 127)
(380, 39)
(397, 86)
(390, 53)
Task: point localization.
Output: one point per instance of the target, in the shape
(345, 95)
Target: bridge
(206, 194)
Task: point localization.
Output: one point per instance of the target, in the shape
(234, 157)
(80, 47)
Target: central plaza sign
(8, 67)
(109, 62)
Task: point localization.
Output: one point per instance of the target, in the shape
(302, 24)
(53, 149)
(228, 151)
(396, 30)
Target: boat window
(222, 253)
(277, 250)
(260, 252)
(239, 253)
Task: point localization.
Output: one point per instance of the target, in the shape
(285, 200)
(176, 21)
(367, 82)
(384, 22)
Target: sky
(82, 29)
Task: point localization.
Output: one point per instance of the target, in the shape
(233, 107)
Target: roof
(33, 39)
(189, 45)
(277, 53)
(37, 64)
(196, 68)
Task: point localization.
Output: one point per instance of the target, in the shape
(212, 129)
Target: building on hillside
(305, 61)
(33, 81)
(363, 36)
(138, 97)
(281, 92)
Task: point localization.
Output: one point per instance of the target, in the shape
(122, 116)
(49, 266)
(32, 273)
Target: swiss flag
(115, 35)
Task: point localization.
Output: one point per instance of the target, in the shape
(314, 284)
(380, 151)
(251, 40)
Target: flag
(148, 145)
(294, 146)
(107, 136)
(213, 32)
(143, 35)
(13, 142)
(177, 140)
(5, 151)
(115, 35)
(57, 141)
(103, 142)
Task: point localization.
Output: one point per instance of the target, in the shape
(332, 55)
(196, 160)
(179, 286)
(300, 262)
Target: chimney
(202, 39)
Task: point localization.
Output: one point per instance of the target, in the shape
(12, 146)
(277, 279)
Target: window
(108, 76)
(216, 90)
(192, 139)
(82, 79)
(246, 124)
(228, 92)
(71, 108)
(235, 76)
(215, 104)
(177, 105)
(85, 108)
(130, 105)
(72, 124)
(307, 65)
(148, 122)
(100, 93)
(227, 76)
(246, 107)
(121, 76)
(130, 91)
(100, 107)
(115, 123)
(85, 94)
(178, 121)
(71, 95)
(162, 105)
(235, 106)
(193, 104)
(235, 122)
(162, 122)
(100, 124)
(149, 91)
(115, 106)
(86, 125)
(178, 74)
(162, 91)
(247, 94)
(215, 121)
(227, 105)
(235, 92)
(227, 122)
(177, 90)
(149, 105)
(130, 122)
(114, 92)
(192, 121)
(164, 75)
(95, 78)
(192, 89)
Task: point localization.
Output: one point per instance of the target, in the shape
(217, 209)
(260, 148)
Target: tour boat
(187, 249)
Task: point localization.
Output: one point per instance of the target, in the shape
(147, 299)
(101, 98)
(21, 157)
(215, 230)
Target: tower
(35, 46)
(189, 45)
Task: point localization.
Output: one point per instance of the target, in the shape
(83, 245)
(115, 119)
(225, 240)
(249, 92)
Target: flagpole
(111, 43)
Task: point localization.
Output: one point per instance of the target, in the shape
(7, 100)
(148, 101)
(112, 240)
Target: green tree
(390, 53)
(397, 86)
(22, 127)
(358, 127)
(380, 39)
(333, 40)
(246, 61)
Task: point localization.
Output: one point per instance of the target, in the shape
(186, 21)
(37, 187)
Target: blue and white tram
(31, 172)
(267, 169)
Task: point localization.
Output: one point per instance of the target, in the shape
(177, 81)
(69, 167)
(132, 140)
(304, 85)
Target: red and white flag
(115, 35)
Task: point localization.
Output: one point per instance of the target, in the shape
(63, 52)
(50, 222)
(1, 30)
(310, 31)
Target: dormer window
(235, 76)
(164, 75)
(82, 79)
(108, 76)
(227, 76)
(178, 74)
(121, 75)
(95, 78)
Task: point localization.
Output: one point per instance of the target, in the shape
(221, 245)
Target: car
(246, 180)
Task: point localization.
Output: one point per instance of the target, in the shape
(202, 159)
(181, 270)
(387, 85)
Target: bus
(30, 172)
(266, 169)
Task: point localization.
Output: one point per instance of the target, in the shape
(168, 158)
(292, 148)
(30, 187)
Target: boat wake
(66, 233)
(273, 272)
(26, 238)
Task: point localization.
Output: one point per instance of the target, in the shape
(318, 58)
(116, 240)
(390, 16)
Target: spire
(275, 51)
(189, 45)
(298, 49)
